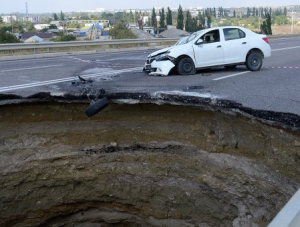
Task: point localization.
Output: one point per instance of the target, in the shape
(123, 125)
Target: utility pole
(26, 7)
(292, 26)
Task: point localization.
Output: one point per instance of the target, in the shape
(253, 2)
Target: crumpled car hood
(160, 51)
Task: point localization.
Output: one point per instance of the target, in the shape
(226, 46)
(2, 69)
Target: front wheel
(186, 66)
(254, 62)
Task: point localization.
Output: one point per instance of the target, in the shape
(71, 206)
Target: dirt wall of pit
(142, 165)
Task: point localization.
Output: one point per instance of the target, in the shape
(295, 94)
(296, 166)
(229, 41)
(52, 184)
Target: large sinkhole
(142, 165)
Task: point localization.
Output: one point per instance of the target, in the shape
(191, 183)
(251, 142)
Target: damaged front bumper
(159, 68)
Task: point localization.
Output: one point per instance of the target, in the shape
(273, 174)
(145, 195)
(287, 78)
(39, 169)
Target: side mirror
(199, 42)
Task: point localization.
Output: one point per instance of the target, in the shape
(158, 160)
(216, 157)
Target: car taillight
(266, 39)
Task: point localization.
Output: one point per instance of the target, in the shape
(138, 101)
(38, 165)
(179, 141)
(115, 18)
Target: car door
(235, 45)
(210, 52)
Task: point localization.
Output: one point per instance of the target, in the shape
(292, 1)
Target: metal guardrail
(286, 36)
(83, 45)
(49, 47)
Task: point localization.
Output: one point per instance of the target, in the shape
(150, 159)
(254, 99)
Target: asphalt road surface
(275, 87)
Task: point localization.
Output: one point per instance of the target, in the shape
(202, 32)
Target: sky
(43, 6)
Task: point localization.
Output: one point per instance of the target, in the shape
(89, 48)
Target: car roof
(208, 29)
(220, 27)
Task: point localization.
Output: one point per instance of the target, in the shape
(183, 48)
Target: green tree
(153, 18)
(6, 37)
(137, 16)
(269, 23)
(18, 27)
(44, 30)
(221, 12)
(28, 26)
(209, 21)
(109, 16)
(125, 17)
(1, 20)
(121, 31)
(266, 26)
(52, 26)
(201, 19)
(254, 12)
(62, 16)
(248, 12)
(131, 16)
(280, 20)
(180, 18)
(55, 17)
(162, 23)
(169, 16)
(194, 26)
(285, 11)
(188, 22)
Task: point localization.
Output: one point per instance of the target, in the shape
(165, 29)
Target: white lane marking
(40, 67)
(79, 59)
(286, 48)
(36, 84)
(236, 74)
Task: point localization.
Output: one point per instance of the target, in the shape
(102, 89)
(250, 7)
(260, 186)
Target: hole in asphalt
(142, 165)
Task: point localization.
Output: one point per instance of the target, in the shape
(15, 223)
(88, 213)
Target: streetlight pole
(292, 27)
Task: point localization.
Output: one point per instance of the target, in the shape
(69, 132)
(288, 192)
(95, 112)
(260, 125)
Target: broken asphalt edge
(282, 119)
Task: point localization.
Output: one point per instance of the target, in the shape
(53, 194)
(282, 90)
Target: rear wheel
(186, 66)
(254, 62)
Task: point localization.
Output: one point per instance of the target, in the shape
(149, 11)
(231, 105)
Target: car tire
(96, 107)
(186, 66)
(230, 66)
(254, 61)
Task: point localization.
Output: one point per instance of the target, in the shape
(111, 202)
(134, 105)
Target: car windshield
(182, 40)
(188, 39)
(192, 37)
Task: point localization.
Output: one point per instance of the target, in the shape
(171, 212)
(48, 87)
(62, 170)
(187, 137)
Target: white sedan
(222, 46)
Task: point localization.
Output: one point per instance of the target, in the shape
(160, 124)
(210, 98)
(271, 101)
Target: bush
(121, 31)
(6, 37)
(63, 38)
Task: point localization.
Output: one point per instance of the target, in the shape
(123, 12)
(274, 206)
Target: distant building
(145, 19)
(92, 32)
(32, 19)
(41, 26)
(44, 36)
(102, 22)
(9, 19)
(34, 39)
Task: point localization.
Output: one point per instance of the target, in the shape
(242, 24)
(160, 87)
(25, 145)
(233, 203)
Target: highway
(275, 87)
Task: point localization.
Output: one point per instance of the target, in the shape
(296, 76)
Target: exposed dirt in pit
(142, 165)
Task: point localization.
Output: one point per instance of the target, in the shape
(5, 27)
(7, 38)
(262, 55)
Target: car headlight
(162, 57)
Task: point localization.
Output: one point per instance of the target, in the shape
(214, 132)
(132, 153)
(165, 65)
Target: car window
(233, 33)
(211, 36)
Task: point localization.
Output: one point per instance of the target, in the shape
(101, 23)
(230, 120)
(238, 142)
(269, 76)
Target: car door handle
(244, 43)
(219, 46)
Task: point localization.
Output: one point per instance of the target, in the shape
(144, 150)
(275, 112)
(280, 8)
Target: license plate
(147, 67)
